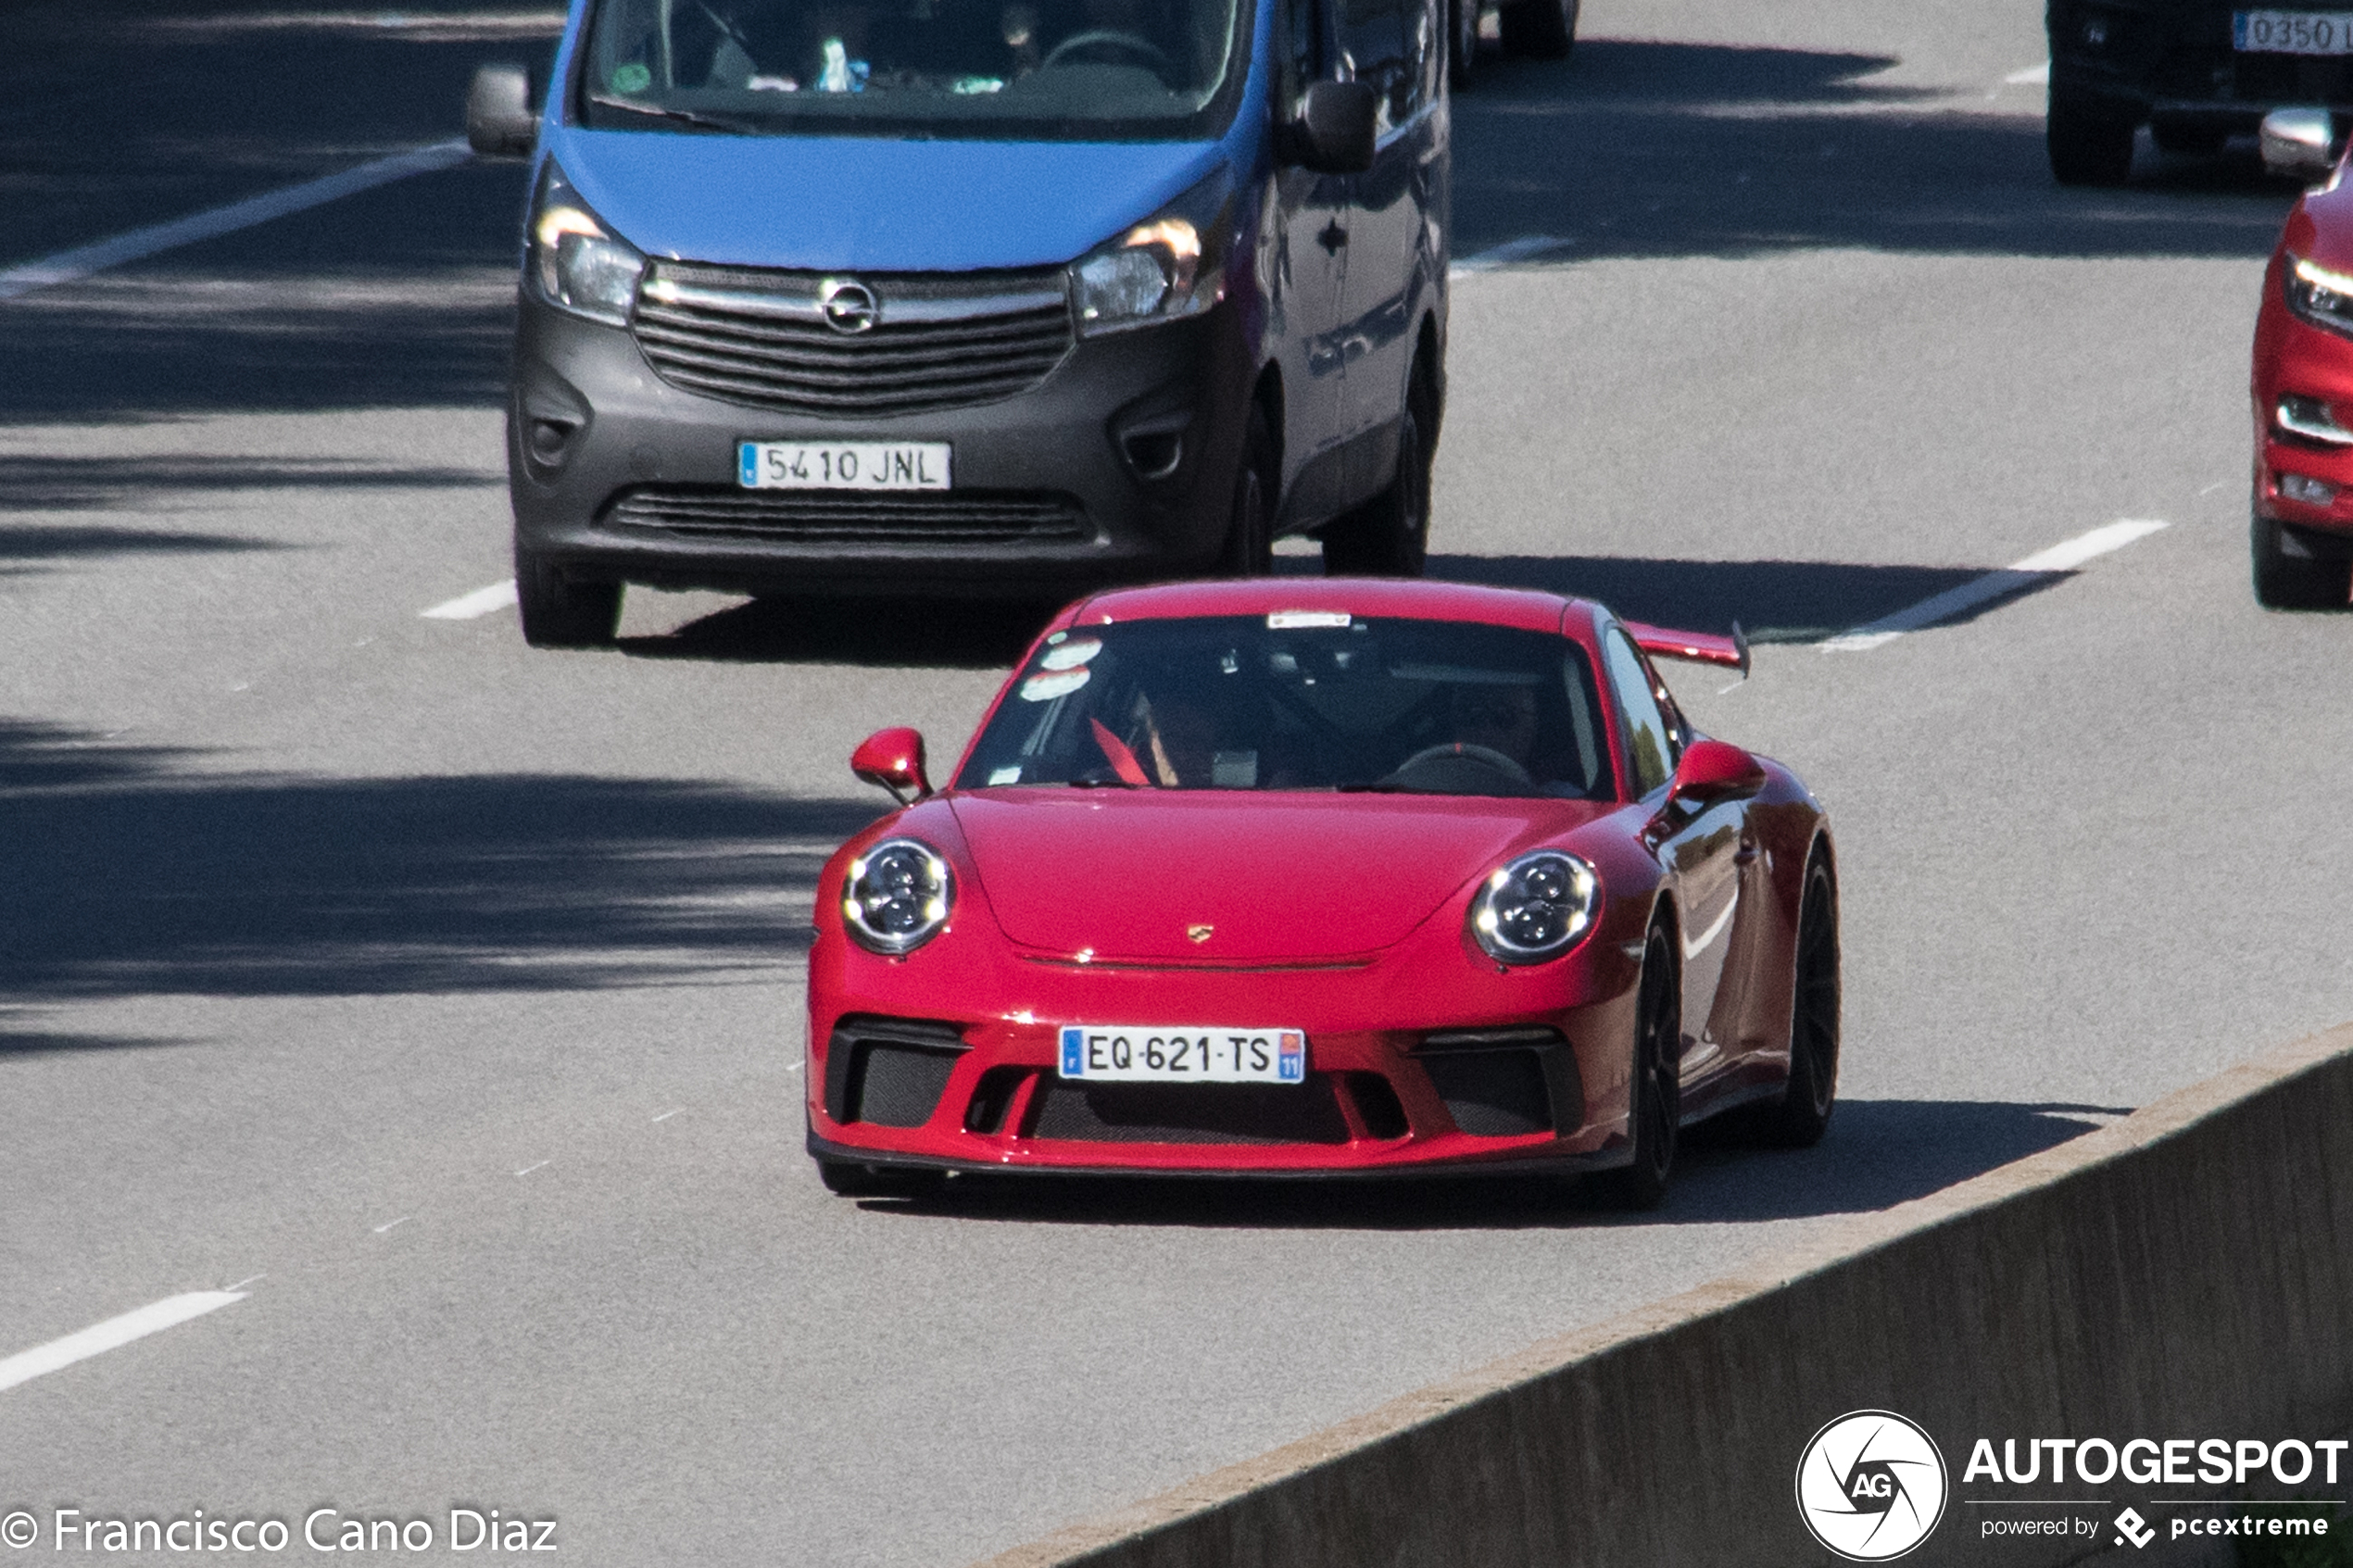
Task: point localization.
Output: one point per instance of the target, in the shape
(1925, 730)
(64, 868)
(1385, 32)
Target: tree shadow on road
(1775, 601)
(130, 873)
(1878, 1153)
(1644, 148)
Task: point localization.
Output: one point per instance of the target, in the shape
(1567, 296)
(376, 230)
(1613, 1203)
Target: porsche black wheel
(1654, 1109)
(846, 1179)
(1249, 538)
(560, 613)
(1803, 1113)
(2284, 580)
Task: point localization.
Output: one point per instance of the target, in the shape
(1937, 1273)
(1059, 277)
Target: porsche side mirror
(893, 759)
(1714, 769)
(498, 119)
(2301, 142)
(1338, 127)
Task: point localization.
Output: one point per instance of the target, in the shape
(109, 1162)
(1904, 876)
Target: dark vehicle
(1536, 30)
(990, 297)
(2195, 73)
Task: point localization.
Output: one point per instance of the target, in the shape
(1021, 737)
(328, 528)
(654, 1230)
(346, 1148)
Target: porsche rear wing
(1697, 647)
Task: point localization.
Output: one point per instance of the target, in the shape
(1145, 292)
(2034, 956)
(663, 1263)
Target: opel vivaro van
(1002, 297)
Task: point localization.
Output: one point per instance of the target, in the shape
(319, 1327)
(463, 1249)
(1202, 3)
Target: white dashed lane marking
(473, 606)
(2035, 567)
(98, 1338)
(70, 266)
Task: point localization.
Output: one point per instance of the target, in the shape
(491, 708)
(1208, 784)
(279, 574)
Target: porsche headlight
(1535, 907)
(577, 263)
(896, 897)
(2319, 295)
(1169, 266)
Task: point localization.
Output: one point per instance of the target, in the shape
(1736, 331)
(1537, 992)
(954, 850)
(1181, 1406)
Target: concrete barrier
(2186, 1271)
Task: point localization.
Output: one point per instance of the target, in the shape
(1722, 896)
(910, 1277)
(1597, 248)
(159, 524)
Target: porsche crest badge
(1198, 934)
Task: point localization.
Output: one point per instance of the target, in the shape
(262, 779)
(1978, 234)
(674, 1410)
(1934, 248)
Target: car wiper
(683, 117)
(1096, 781)
(1377, 789)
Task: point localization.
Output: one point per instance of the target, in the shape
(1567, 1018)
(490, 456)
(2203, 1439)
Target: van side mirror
(1715, 770)
(1336, 128)
(2301, 142)
(498, 119)
(893, 759)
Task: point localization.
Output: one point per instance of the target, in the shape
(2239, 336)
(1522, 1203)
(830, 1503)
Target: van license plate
(2292, 33)
(843, 465)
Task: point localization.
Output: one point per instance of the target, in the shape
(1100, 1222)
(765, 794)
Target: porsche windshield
(1045, 70)
(1308, 700)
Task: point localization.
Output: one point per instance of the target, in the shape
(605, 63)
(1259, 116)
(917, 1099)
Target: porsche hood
(1206, 877)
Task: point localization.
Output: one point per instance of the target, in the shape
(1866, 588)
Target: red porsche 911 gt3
(1318, 876)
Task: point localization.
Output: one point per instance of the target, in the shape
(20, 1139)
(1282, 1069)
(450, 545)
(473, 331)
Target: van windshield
(1044, 69)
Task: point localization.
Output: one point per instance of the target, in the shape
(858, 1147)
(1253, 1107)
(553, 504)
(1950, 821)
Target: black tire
(1462, 42)
(2089, 145)
(2192, 140)
(1539, 30)
(1389, 535)
(1803, 1113)
(2286, 582)
(1655, 1095)
(1250, 537)
(844, 1179)
(560, 613)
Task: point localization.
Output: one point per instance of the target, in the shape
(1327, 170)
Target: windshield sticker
(1069, 656)
(1292, 619)
(1059, 682)
(632, 78)
(1005, 775)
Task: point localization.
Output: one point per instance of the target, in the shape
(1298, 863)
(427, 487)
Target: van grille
(940, 341)
(954, 517)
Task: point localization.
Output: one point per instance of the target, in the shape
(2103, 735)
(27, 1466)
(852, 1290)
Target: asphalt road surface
(444, 997)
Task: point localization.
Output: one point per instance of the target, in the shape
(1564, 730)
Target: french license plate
(2292, 33)
(1159, 1053)
(842, 465)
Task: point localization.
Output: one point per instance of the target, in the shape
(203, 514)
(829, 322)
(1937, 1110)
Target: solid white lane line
(668, 1115)
(529, 1169)
(66, 266)
(2065, 556)
(471, 606)
(2033, 76)
(389, 1223)
(1521, 249)
(113, 1332)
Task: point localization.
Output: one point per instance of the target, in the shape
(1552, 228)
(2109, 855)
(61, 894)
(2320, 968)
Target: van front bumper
(1118, 466)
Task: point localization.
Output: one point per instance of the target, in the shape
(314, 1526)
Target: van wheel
(2088, 146)
(2286, 582)
(560, 613)
(1250, 537)
(1539, 29)
(1389, 535)
(1462, 42)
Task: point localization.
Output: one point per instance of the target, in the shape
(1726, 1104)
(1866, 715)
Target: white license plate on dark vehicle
(2292, 33)
(1159, 1053)
(843, 465)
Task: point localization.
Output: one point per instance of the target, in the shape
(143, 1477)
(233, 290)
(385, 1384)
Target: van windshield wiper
(682, 117)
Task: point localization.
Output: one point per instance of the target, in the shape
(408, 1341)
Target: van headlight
(1535, 907)
(1170, 266)
(577, 263)
(896, 897)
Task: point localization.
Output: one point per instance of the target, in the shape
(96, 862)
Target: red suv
(2303, 377)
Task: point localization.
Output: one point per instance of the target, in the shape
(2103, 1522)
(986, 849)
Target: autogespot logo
(1871, 1486)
